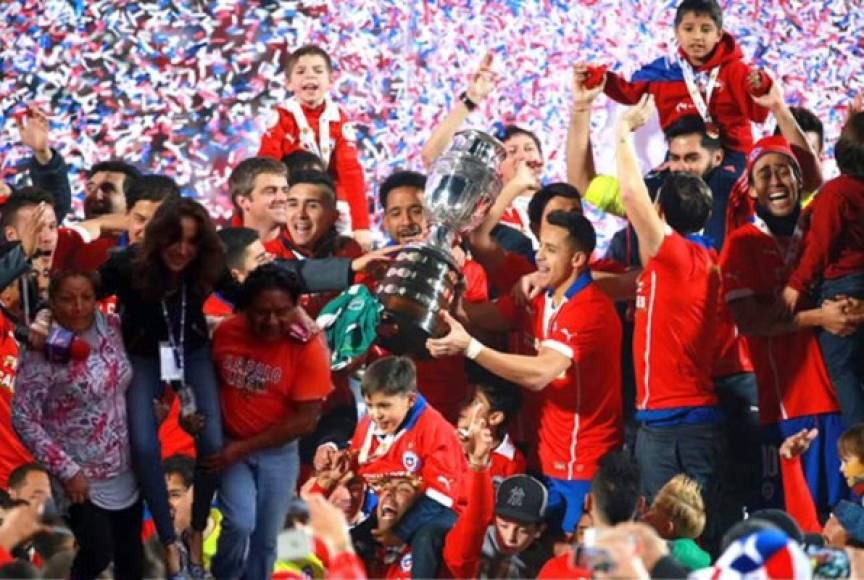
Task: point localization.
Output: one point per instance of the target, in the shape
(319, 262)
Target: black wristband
(466, 100)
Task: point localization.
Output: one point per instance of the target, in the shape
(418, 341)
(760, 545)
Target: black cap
(521, 498)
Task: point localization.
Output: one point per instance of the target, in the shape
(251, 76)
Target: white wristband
(473, 349)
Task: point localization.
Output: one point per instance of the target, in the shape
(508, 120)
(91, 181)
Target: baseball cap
(770, 144)
(521, 498)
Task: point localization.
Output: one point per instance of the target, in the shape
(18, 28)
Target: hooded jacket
(731, 107)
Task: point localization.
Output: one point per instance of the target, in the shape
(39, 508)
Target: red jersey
(507, 460)
(834, 244)
(12, 450)
(580, 411)
(563, 567)
(675, 325)
(460, 557)
(790, 371)
(425, 445)
(260, 381)
(283, 138)
(730, 105)
(172, 437)
(73, 253)
(217, 307)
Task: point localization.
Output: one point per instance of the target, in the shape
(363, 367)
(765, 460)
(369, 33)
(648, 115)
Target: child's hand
(772, 97)
(483, 80)
(637, 115)
(583, 96)
(797, 444)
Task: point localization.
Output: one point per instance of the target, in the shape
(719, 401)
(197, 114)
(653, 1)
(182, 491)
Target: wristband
(466, 100)
(473, 349)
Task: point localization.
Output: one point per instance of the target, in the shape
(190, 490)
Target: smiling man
(576, 370)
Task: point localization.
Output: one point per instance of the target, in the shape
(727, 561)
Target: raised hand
(33, 127)
(798, 443)
(637, 115)
(483, 80)
(582, 95)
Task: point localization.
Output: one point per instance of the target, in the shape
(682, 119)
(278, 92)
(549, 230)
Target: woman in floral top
(72, 417)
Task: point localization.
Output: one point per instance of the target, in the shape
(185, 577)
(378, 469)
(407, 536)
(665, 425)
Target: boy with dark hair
(496, 402)
(179, 477)
(310, 120)
(688, 83)
(302, 160)
(30, 482)
(574, 326)
(832, 264)
(403, 434)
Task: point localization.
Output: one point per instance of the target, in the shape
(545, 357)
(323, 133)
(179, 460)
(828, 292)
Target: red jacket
(283, 138)
(731, 106)
(834, 244)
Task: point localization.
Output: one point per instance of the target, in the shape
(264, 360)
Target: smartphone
(294, 544)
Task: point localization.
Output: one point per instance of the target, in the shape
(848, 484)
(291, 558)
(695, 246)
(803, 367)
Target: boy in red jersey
(404, 434)
(707, 77)
(675, 326)
(496, 402)
(310, 120)
(795, 391)
(575, 329)
(834, 253)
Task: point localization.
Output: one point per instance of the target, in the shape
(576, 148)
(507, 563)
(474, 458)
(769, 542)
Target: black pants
(104, 535)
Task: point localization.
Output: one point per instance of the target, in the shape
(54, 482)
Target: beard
(94, 207)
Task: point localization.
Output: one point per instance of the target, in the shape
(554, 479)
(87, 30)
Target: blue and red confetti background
(187, 87)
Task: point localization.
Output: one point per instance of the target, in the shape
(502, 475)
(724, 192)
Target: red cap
(771, 144)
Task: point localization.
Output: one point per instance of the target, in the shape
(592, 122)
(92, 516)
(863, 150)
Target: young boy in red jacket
(311, 121)
(832, 263)
(707, 77)
(402, 433)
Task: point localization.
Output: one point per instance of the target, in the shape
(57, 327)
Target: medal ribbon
(699, 101)
(322, 148)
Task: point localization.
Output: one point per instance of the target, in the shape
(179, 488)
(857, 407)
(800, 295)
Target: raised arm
(47, 168)
(789, 128)
(650, 228)
(482, 82)
(580, 155)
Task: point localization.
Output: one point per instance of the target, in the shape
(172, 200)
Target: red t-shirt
(172, 437)
(580, 411)
(426, 445)
(790, 371)
(563, 567)
(675, 327)
(260, 381)
(217, 307)
(12, 450)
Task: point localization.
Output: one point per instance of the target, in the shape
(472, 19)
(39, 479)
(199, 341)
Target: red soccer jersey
(580, 411)
(12, 450)
(426, 445)
(675, 327)
(283, 138)
(790, 370)
(260, 381)
(172, 437)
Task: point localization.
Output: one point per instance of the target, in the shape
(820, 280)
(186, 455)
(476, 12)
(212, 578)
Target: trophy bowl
(423, 279)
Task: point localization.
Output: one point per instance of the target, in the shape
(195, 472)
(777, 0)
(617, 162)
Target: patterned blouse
(72, 416)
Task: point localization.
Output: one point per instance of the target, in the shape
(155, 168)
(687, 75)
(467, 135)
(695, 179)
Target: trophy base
(422, 281)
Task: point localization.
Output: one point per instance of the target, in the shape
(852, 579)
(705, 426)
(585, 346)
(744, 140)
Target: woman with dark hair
(69, 409)
(161, 285)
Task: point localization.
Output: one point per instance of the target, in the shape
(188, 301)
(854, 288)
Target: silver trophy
(424, 280)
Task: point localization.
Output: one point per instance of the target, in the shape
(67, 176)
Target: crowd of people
(188, 399)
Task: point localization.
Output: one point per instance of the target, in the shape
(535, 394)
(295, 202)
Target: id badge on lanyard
(171, 355)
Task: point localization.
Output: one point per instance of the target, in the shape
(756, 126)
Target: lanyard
(177, 345)
(307, 136)
(700, 102)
